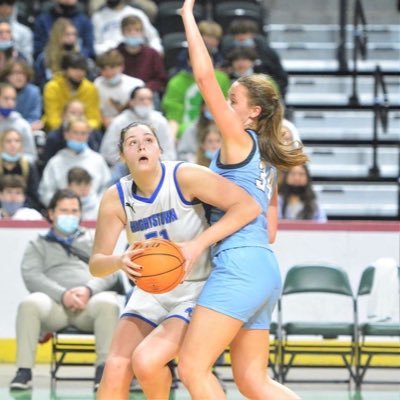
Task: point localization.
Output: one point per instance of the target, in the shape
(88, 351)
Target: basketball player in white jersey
(159, 199)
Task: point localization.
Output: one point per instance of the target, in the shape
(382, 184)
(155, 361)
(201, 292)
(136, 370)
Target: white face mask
(143, 111)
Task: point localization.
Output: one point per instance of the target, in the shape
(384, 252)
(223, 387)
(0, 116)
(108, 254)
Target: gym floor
(83, 390)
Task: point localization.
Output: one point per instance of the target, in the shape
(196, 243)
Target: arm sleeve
(35, 280)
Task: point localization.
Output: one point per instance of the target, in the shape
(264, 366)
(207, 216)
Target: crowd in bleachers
(77, 72)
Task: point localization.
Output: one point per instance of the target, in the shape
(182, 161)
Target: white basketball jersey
(165, 214)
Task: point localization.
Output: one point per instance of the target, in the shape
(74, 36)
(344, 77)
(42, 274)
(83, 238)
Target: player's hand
(128, 266)
(188, 5)
(191, 251)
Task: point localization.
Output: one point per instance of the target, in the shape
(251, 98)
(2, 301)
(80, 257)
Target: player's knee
(144, 364)
(115, 367)
(186, 370)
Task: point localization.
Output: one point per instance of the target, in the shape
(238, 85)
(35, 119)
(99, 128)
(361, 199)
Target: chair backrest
(317, 279)
(366, 281)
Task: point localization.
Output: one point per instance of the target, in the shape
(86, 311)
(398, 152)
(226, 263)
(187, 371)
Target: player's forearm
(102, 265)
(199, 55)
(234, 219)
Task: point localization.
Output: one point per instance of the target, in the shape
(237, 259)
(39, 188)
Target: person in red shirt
(141, 61)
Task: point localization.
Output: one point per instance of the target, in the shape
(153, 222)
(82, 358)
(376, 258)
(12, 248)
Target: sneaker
(97, 376)
(220, 380)
(23, 380)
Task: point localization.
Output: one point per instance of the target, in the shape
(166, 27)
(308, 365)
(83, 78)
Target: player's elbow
(254, 209)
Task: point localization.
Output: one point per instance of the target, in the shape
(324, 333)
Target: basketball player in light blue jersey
(159, 200)
(238, 298)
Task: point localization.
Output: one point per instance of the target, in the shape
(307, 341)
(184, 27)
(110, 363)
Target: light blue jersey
(245, 281)
(258, 178)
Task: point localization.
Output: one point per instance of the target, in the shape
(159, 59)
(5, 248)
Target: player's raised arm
(228, 122)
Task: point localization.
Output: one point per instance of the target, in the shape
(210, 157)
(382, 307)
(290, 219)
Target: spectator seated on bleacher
(62, 292)
(297, 199)
(211, 33)
(29, 98)
(140, 108)
(63, 39)
(70, 84)
(245, 33)
(76, 154)
(107, 22)
(11, 119)
(14, 162)
(22, 35)
(182, 100)
(8, 51)
(209, 144)
(63, 9)
(55, 139)
(113, 85)
(13, 200)
(188, 144)
(140, 60)
(80, 182)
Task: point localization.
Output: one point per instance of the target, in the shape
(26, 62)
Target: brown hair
(210, 28)
(134, 125)
(12, 181)
(242, 25)
(111, 58)
(78, 175)
(131, 20)
(201, 159)
(262, 93)
(26, 68)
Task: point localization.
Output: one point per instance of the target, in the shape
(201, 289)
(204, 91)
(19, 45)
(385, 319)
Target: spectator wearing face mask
(11, 119)
(55, 139)
(13, 199)
(76, 154)
(107, 22)
(140, 108)
(63, 9)
(297, 199)
(22, 35)
(8, 50)
(63, 39)
(14, 162)
(140, 60)
(208, 145)
(29, 99)
(188, 145)
(70, 84)
(113, 85)
(245, 33)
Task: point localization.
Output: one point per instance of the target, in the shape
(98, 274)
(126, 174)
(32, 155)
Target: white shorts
(155, 308)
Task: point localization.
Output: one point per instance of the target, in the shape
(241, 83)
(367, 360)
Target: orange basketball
(163, 265)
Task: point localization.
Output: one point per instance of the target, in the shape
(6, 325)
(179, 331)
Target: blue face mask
(244, 43)
(11, 207)
(208, 115)
(5, 112)
(114, 81)
(210, 154)
(10, 158)
(76, 146)
(134, 41)
(67, 224)
(6, 44)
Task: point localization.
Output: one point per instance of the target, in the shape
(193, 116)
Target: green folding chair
(318, 339)
(376, 338)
